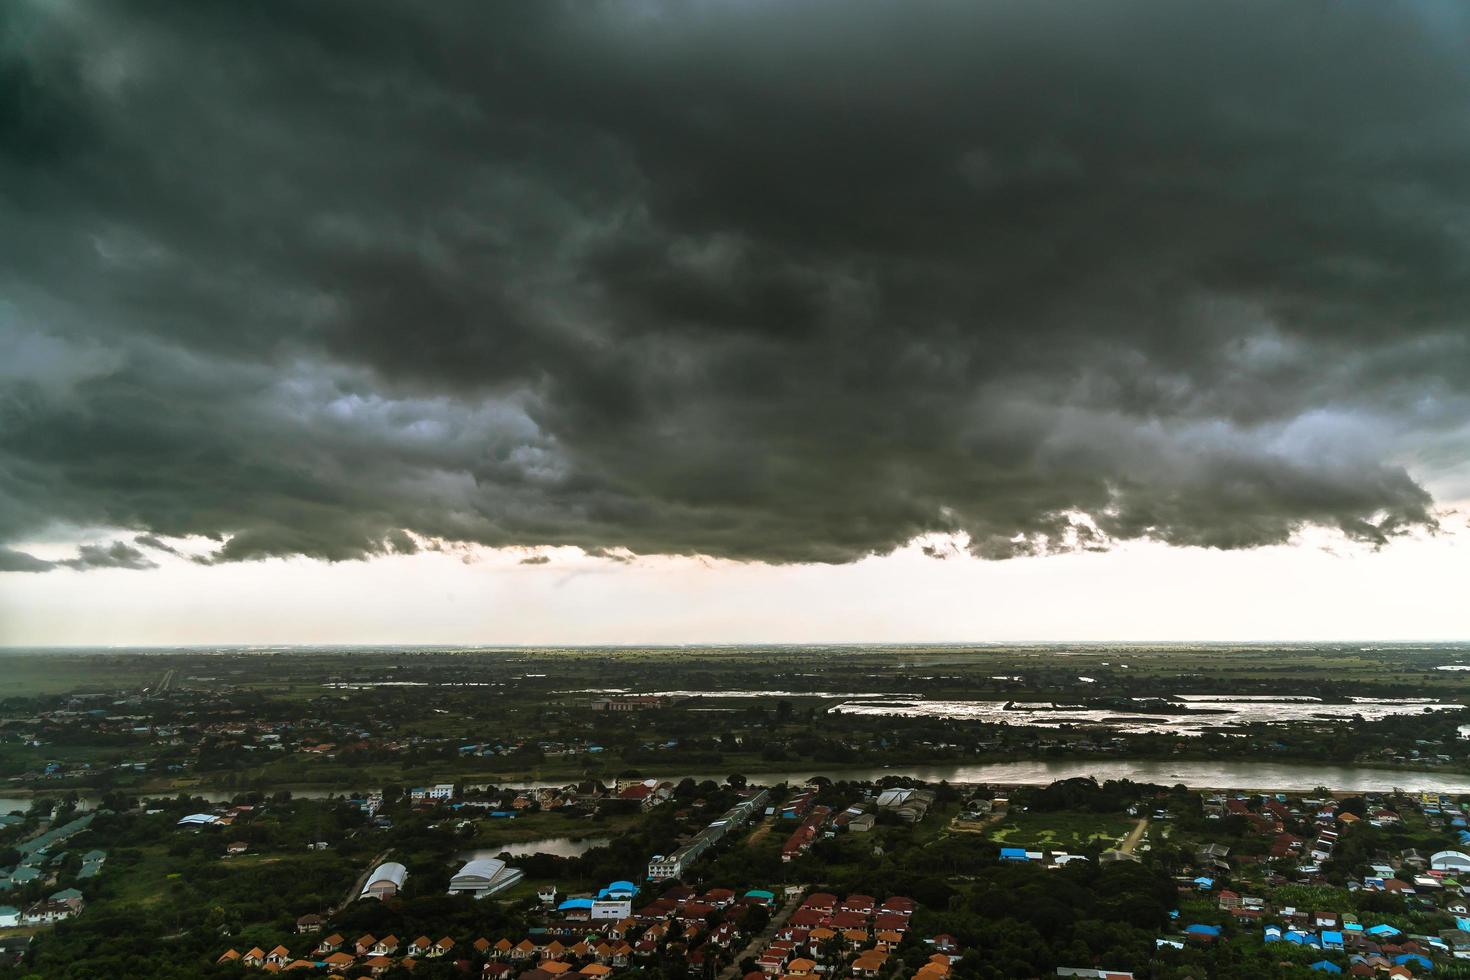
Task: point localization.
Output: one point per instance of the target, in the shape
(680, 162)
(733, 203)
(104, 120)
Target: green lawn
(1060, 831)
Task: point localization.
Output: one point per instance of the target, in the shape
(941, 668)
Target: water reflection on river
(1223, 774)
(1200, 773)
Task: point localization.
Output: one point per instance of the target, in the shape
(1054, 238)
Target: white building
(615, 909)
(662, 867)
(385, 881)
(1449, 861)
(484, 876)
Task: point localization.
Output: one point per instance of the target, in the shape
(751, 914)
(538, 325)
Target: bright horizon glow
(1318, 590)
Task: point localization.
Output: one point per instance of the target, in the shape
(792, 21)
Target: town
(895, 879)
(739, 814)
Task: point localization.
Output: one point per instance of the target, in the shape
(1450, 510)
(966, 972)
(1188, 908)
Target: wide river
(1222, 774)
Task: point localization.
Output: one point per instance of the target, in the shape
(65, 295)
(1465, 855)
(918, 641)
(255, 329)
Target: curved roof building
(483, 876)
(385, 881)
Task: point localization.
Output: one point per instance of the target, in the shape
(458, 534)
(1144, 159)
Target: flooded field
(1185, 714)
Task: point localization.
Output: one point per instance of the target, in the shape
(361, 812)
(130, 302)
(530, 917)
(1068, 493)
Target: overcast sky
(475, 322)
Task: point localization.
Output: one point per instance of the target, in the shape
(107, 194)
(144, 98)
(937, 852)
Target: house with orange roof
(330, 944)
(442, 947)
(378, 965)
(595, 970)
(387, 946)
(255, 956)
(365, 943)
(420, 946)
(280, 956)
(340, 962)
(228, 956)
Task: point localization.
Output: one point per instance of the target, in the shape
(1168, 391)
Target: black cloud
(783, 282)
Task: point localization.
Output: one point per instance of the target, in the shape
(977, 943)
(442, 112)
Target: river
(1223, 774)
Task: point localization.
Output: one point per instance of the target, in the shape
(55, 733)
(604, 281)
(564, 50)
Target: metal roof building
(385, 881)
(483, 876)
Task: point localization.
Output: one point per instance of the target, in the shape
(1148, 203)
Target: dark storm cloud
(786, 282)
(89, 556)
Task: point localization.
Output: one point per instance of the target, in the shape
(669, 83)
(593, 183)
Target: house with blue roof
(1200, 931)
(1272, 934)
(1382, 930)
(619, 889)
(1204, 884)
(1326, 966)
(1013, 854)
(1331, 939)
(1413, 961)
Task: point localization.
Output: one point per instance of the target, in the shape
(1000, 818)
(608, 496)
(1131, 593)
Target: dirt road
(1134, 836)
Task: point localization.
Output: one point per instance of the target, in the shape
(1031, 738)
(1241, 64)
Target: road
(1134, 836)
(761, 941)
(356, 888)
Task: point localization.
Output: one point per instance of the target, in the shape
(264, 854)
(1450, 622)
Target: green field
(1060, 831)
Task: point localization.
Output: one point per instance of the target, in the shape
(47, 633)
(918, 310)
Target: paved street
(762, 940)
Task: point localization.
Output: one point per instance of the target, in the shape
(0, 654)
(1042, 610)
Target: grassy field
(1060, 831)
(536, 826)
